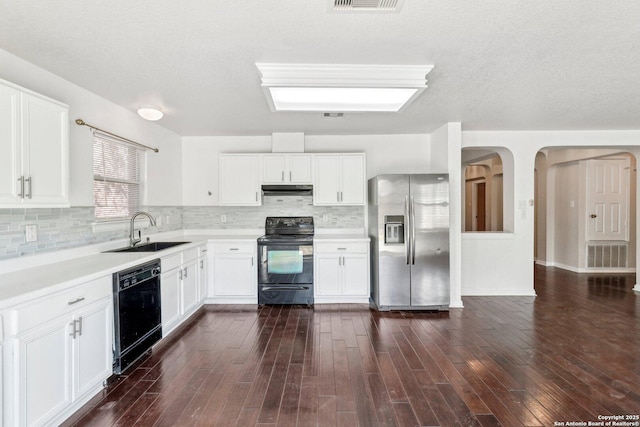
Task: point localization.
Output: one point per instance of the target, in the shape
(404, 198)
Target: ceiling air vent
(365, 5)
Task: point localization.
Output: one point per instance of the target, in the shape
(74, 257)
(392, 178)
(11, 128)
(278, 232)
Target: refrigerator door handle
(413, 231)
(407, 237)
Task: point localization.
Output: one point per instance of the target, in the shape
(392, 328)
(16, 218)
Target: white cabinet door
(299, 166)
(355, 268)
(170, 299)
(202, 277)
(328, 277)
(45, 162)
(352, 180)
(240, 180)
(274, 169)
(10, 143)
(43, 372)
(326, 189)
(189, 286)
(93, 358)
(339, 180)
(234, 275)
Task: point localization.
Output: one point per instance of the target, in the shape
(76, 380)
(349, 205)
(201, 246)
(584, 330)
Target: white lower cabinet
(179, 284)
(62, 353)
(341, 271)
(234, 273)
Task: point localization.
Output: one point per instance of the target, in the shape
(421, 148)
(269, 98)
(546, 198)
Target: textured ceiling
(499, 64)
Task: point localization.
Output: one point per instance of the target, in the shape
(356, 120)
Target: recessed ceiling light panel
(353, 88)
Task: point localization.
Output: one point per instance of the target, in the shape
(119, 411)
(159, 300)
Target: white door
(608, 199)
(300, 169)
(326, 187)
(10, 170)
(44, 380)
(45, 160)
(189, 286)
(170, 299)
(355, 274)
(273, 169)
(239, 180)
(93, 357)
(202, 277)
(353, 180)
(234, 275)
(328, 275)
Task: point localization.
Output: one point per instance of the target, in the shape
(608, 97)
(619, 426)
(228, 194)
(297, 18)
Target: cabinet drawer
(168, 263)
(346, 247)
(234, 248)
(48, 308)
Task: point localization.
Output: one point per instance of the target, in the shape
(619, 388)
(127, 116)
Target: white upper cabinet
(339, 179)
(34, 149)
(240, 180)
(286, 169)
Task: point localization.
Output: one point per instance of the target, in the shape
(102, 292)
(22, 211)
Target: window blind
(116, 177)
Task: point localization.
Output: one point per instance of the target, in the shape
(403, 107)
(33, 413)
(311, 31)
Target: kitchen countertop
(32, 282)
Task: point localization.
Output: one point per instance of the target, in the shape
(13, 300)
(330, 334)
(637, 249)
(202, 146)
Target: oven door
(285, 263)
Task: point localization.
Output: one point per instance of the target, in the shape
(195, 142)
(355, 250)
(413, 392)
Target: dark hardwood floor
(570, 354)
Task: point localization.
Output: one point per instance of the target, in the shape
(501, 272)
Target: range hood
(287, 190)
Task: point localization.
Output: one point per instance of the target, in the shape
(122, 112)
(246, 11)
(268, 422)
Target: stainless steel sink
(149, 247)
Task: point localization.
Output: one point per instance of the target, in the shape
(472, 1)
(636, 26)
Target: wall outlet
(223, 218)
(325, 217)
(168, 219)
(159, 221)
(31, 232)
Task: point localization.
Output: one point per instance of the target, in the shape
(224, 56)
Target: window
(116, 177)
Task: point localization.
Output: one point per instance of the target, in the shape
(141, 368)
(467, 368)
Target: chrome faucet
(132, 238)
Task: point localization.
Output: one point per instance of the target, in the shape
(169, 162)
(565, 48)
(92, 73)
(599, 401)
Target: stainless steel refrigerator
(409, 231)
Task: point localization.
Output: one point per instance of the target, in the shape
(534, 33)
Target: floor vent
(607, 255)
(365, 5)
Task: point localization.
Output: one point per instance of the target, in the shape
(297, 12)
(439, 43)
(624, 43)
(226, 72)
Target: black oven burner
(285, 261)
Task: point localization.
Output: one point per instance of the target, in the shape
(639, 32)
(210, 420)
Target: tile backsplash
(65, 228)
(252, 217)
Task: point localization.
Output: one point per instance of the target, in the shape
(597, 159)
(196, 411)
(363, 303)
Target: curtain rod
(81, 122)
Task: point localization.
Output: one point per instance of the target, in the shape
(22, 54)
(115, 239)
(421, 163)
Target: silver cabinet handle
(337, 196)
(282, 176)
(342, 249)
(201, 264)
(75, 301)
(256, 196)
(290, 179)
(251, 261)
(339, 260)
(29, 181)
(233, 249)
(79, 320)
(72, 334)
(344, 261)
(21, 180)
(341, 197)
(186, 273)
(180, 274)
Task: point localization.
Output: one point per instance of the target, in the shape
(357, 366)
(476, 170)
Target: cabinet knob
(593, 215)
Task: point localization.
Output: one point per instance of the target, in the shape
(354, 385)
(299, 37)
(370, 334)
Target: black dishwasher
(137, 314)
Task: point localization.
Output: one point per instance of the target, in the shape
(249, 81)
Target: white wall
(494, 265)
(165, 167)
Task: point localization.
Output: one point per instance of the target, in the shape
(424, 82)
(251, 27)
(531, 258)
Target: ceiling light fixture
(150, 113)
(339, 88)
